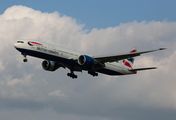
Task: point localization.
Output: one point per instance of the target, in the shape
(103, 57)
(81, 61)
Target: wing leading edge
(113, 58)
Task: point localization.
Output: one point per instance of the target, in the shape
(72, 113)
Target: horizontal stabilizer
(138, 69)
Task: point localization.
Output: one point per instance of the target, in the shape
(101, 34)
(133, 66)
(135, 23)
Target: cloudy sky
(98, 28)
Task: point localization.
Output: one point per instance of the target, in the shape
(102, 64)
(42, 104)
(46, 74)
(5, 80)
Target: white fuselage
(65, 56)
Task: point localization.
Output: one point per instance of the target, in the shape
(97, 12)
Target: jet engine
(49, 65)
(86, 60)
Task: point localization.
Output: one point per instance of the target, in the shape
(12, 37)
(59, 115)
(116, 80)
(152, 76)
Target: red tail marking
(133, 51)
(126, 63)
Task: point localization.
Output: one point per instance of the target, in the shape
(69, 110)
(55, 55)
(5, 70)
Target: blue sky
(103, 13)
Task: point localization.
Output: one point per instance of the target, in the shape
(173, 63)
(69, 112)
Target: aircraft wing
(113, 58)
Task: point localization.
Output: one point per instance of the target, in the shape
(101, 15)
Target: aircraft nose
(15, 45)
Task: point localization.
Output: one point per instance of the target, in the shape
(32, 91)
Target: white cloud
(23, 85)
(57, 93)
(24, 81)
(2, 67)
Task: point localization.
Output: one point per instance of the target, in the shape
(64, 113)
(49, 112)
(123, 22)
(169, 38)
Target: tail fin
(129, 62)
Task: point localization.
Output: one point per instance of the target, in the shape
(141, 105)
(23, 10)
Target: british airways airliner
(56, 57)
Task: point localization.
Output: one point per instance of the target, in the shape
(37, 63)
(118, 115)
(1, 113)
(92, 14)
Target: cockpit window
(20, 42)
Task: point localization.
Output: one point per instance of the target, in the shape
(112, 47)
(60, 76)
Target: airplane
(56, 57)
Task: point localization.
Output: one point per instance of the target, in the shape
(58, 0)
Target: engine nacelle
(86, 60)
(49, 65)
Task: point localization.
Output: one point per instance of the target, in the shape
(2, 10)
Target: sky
(102, 13)
(97, 28)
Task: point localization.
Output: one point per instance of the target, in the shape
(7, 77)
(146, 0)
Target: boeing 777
(56, 57)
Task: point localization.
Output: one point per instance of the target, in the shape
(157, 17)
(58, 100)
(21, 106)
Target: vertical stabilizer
(129, 62)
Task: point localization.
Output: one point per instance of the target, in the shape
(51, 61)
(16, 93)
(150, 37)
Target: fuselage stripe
(34, 43)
